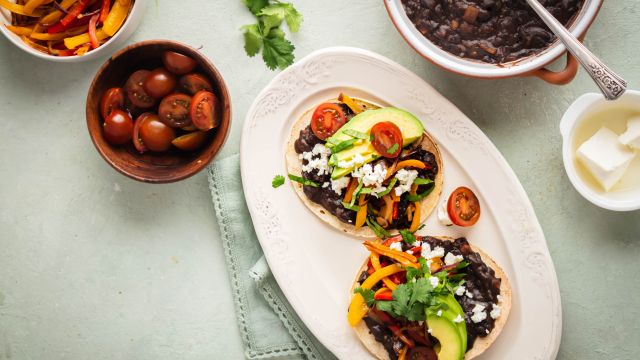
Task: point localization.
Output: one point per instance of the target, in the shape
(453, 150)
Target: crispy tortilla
(294, 166)
(482, 343)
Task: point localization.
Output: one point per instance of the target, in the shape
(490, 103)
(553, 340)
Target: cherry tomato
(156, 135)
(387, 139)
(177, 63)
(191, 141)
(192, 83)
(111, 100)
(174, 110)
(202, 111)
(118, 127)
(135, 90)
(463, 207)
(137, 142)
(159, 83)
(327, 119)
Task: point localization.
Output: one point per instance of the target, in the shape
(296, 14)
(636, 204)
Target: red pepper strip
(391, 240)
(73, 13)
(416, 250)
(386, 296)
(394, 215)
(397, 331)
(58, 27)
(382, 316)
(92, 31)
(104, 10)
(399, 278)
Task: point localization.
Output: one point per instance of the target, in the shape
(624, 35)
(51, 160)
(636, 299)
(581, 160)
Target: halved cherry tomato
(191, 141)
(203, 110)
(327, 119)
(112, 99)
(159, 83)
(192, 83)
(137, 142)
(135, 90)
(387, 139)
(118, 127)
(177, 63)
(463, 207)
(156, 135)
(174, 110)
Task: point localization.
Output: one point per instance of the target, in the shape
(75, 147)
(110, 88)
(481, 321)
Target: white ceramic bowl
(130, 25)
(479, 69)
(580, 110)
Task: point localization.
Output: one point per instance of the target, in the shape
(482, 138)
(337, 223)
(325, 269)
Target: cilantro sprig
(277, 181)
(266, 36)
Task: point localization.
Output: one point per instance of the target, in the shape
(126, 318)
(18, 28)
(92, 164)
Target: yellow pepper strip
(33, 44)
(436, 263)
(350, 103)
(395, 255)
(402, 355)
(82, 50)
(20, 30)
(55, 15)
(375, 261)
(361, 216)
(117, 16)
(410, 163)
(47, 37)
(358, 308)
(75, 41)
(31, 5)
(18, 9)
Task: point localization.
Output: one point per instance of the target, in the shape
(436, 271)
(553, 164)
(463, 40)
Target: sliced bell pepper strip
(34, 45)
(411, 163)
(386, 251)
(353, 184)
(58, 28)
(82, 50)
(402, 355)
(104, 10)
(92, 31)
(383, 294)
(55, 15)
(75, 41)
(375, 263)
(396, 206)
(358, 308)
(73, 13)
(47, 37)
(31, 5)
(20, 30)
(18, 9)
(117, 16)
(357, 109)
(361, 216)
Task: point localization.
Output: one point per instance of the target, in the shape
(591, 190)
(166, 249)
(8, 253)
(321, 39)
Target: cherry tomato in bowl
(463, 207)
(174, 110)
(192, 83)
(137, 95)
(191, 141)
(159, 83)
(156, 135)
(177, 63)
(327, 119)
(387, 139)
(113, 99)
(202, 110)
(118, 127)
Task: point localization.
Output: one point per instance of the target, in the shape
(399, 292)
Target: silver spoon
(610, 83)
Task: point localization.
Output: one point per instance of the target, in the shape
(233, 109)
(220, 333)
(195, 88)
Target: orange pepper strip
(393, 254)
(415, 223)
(402, 355)
(361, 216)
(18, 9)
(350, 103)
(31, 5)
(47, 37)
(358, 308)
(375, 261)
(20, 30)
(353, 185)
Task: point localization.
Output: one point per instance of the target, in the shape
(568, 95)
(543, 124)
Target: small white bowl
(128, 28)
(581, 109)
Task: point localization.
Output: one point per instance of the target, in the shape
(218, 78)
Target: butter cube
(605, 157)
(631, 137)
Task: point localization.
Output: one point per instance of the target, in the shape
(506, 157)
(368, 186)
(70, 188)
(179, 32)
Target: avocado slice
(447, 333)
(410, 126)
(454, 309)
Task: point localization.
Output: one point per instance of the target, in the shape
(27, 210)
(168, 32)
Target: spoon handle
(610, 83)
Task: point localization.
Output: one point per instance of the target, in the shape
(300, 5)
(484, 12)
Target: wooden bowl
(150, 167)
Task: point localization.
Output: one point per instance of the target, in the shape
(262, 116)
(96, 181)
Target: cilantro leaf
(252, 39)
(256, 6)
(277, 51)
(303, 181)
(367, 294)
(277, 181)
(284, 11)
(407, 236)
(393, 148)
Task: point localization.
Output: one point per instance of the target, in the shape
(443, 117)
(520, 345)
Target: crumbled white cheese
(429, 331)
(434, 281)
(429, 262)
(421, 322)
(355, 161)
(317, 159)
(460, 290)
(443, 214)
(396, 246)
(372, 176)
(468, 294)
(326, 185)
(479, 313)
(495, 311)
(451, 259)
(405, 180)
(439, 313)
(427, 253)
(631, 137)
(338, 185)
(605, 157)
(458, 319)
(486, 331)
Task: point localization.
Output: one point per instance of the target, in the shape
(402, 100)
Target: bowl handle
(562, 77)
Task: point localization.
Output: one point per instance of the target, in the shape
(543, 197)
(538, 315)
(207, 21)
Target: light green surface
(94, 265)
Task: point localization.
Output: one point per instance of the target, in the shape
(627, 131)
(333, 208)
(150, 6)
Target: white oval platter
(315, 264)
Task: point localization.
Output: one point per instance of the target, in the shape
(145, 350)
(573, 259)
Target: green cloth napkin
(269, 326)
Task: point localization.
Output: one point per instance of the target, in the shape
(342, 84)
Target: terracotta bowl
(150, 167)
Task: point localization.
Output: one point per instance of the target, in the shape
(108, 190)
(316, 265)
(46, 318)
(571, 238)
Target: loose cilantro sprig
(266, 35)
(277, 181)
